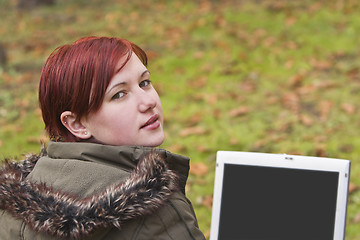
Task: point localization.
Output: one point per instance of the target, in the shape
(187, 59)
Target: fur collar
(65, 216)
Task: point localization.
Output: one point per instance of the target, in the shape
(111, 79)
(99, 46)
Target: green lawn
(264, 76)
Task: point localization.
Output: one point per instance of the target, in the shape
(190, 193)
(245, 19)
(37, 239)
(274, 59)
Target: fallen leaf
(259, 144)
(307, 89)
(205, 6)
(348, 108)
(199, 169)
(248, 86)
(306, 120)
(297, 80)
(207, 234)
(220, 21)
(291, 101)
(325, 84)
(234, 141)
(239, 111)
(211, 99)
(207, 201)
(321, 138)
(325, 107)
(38, 112)
(196, 118)
(176, 148)
(22, 103)
(289, 64)
(295, 152)
(320, 151)
(315, 7)
(198, 55)
(291, 45)
(289, 21)
(152, 54)
(276, 6)
(7, 78)
(272, 99)
(353, 187)
(197, 130)
(38, 139)
(353, 73)
(260, 32)
(347, 148)
(269, 41)
(198, 82)
(356, 219)
(217, 113)
(321, 65)
(134, 15)
(203, 148)
(207, 97)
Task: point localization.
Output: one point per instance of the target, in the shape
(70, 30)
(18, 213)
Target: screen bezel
(283, 161)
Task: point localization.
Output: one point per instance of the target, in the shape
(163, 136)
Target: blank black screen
(276, 203)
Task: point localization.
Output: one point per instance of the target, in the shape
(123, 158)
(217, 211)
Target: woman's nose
(147, 100)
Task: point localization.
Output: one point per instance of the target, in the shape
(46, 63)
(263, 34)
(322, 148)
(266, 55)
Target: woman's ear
(69, 120)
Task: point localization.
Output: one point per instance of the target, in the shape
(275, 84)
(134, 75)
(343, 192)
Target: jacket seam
(182, 219)
(138, 229)
(59, 173)
(22, 230)
(164, 225)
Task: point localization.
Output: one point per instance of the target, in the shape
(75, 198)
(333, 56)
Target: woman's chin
(155, 142)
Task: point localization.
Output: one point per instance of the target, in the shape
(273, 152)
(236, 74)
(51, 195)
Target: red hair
(75, 77)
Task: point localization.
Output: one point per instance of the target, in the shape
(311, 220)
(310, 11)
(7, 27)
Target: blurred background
(276, 76)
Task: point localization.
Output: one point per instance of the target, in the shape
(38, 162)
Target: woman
(101, 177)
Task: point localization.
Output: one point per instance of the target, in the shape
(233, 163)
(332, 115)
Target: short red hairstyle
(75, 77)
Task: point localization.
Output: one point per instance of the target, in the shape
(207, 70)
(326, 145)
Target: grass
(265, 76)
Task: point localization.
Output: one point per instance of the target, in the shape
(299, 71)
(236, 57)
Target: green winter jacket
(94, 191)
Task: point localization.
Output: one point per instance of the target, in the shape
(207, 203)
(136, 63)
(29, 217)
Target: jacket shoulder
(175, 220)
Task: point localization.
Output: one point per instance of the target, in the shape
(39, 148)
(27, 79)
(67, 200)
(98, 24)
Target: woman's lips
(152, 123)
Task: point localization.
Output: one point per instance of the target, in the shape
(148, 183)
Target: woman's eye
(118, 95)
(145, 83)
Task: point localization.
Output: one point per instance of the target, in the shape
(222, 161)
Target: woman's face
(131, 112)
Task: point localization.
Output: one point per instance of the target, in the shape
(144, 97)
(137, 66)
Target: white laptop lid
(278, 196)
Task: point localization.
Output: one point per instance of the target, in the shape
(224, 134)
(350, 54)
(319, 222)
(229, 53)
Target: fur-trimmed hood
(66, 216)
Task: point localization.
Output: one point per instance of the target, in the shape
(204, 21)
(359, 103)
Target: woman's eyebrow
(124, 83)
(146, 71)
(114, 86)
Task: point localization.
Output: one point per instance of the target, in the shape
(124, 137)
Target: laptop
(262, 196)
